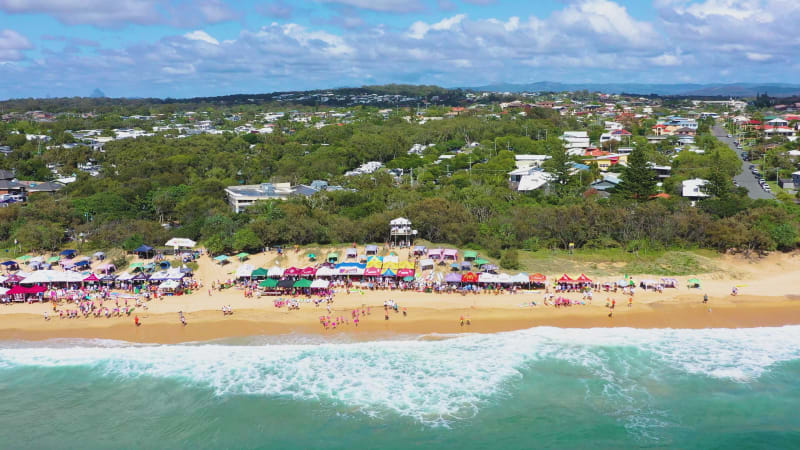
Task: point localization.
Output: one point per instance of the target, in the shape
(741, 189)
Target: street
(745, 178)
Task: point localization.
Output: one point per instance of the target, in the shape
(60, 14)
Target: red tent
(26, 290)
(91, 277)
(372, 272)
(308, 271)
(469, 277)
(402, 273)
(583, 279)
(291, 272)
(565, 279)
(537, 278)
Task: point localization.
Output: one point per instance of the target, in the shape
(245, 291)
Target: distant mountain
(687, 89)
(97, 93)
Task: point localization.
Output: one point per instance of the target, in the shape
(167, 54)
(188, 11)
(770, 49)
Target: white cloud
(608, 20)
(401, 6)
(753, 56)
(101, 13)
(200, 35)
(419, 29)
(12, 44)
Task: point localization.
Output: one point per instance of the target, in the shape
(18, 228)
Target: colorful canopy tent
(694, 283)
(221, 259)
(22, 290)
(268, 283)
(450, 253)
(91, 278)
(144, 250)
(332, 257)
(243, 255)
(486, 277)
(372, 271)
(583, 279)
(169, 285)
(470, 255)
(286, 283)
(403, 273)
(308, 272)
(481, 262)
(259, 273)
(469, 277)
(426, 264)
(453, 278)
(504, 278)
(419, 249)
(435, 253)
(455, 267)
(82, 264)
(312, 257)
(53, 259)
(291, 272)
(389, 273)
(537, 278)
(25, 258)
(302, 283)
(10, 264)
(137, 266)
(372, 250)
(565, 279)
(99, 256)
(68, 253)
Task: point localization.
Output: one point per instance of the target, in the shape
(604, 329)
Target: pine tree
(638, 179)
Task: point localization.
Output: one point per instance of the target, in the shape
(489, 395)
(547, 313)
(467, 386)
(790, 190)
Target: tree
(246, 240)
(510, 259)
(638, 179)
(559, 165)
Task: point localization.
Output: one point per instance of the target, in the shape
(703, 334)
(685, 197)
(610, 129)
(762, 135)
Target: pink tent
(372, 272)
(91, 277)
(402, 273)
(450, 253)
(435, 253)
(26, 290)
(291, 272)
(308, 272)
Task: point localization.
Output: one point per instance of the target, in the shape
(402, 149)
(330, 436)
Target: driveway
(745, 178)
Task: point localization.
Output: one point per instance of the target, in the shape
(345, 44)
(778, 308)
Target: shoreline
(206, 325)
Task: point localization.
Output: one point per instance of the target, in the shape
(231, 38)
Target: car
(730, 136)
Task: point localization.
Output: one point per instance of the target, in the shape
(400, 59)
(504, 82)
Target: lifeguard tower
(400, 232)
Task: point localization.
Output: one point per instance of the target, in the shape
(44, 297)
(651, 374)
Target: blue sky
(182, 48)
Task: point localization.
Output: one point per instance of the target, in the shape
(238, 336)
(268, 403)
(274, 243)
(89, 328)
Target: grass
(607, 262)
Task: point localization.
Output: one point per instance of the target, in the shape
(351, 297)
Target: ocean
(537, 388)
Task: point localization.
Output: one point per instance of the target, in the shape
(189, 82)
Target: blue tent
(144, 249)
(82, 263)
(69, 253)
(164, 264)
(9, 263)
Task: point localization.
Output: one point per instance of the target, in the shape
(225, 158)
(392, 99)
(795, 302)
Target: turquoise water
(543, 387)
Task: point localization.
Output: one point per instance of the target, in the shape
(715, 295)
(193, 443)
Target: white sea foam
(432, 381)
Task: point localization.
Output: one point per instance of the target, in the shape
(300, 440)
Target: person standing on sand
(136, 321)
(705, 298)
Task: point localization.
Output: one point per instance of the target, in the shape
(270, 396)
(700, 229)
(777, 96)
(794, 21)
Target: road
(745, 178)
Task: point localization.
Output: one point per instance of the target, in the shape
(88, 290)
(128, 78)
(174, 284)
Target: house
(240, 197)
(42, 186)
(314, 187)
(796, 178)
(684, 131)
(527, 161)
(609, 181)
(528, 179)
(693, 189)
(772, 131)
(576, 142)
(605, 162)
(5, 150)
(661, 171)
(778, 122)
(786, 183)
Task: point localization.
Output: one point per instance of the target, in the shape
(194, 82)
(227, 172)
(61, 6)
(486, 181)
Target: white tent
(52, 276)
(3, 290)
(180, 242)
(275, 272)
(125, 276)
(244, 271)
(504, 278)
(325, 271)
(426, 263)
(169, 285)
(486, 277)
(520, 278)
(320, 284)
(400, 221)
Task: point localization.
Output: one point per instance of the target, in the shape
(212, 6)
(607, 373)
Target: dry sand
(769, 296)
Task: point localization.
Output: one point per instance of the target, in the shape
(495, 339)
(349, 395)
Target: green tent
(138, 265)
(243, 255)
(480, 262)
(302, 283)
(53, 259)
(268, 283)
(221, 258)
(333, 257)
(694, 282)
(25, 257)
(312, 256)
(259, 273)
(470, 254)
(408, 279)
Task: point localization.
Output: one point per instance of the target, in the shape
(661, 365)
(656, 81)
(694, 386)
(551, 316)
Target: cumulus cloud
(200, 35)
(398, 6)
(12, 44)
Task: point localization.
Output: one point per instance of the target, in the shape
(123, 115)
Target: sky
(183, 48)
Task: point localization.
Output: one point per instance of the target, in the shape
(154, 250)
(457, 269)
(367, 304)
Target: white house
(240, 197)
(693, 189)
(576, 142)
(528, 179)
(527, 161)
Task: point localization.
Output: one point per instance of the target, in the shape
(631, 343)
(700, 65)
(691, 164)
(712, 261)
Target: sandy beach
(768, 297)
